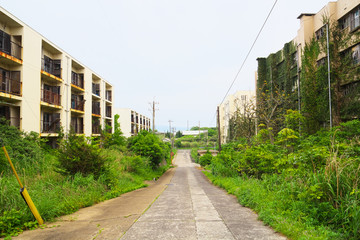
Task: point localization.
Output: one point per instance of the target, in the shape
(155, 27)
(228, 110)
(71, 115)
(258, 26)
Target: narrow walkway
(188, 207)
(192, 208)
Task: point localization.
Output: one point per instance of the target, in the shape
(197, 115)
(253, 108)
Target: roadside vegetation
(81, 172)
(204, 140)
(304, 186)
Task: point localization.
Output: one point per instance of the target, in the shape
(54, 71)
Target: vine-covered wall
(279, 73)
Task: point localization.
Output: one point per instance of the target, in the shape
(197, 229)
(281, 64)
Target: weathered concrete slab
(188, 207)
(192, 208)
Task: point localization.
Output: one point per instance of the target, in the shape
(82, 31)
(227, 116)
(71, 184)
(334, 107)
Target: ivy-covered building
(296, 77)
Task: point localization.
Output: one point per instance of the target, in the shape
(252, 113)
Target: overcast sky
(183, 53)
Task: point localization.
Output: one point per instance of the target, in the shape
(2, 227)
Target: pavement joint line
(166, 186)
(221, 219)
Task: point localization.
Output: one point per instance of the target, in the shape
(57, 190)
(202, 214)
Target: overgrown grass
(306, 188)
(276, 206)
(55, 194)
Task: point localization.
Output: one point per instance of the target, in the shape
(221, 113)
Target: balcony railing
(77, 79)
(77, 104)
(13, 49)
(10, 86)
(96, 89)
(50, 127)
(108, 95)
(108, 112)
(51, 66)
(11, 121)
(96, 108)
(96, 129)
(77, 127)
(50, 97)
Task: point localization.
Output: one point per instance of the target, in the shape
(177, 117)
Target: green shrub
(77, 155)
(205, 159)
(132, 163)
(24, 148)
(116, 139)
(147, 144)
(178, 144)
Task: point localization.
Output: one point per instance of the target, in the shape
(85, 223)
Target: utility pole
(199, 130)
(153, 109)
(173, 137)
(218, 125)
(172, 142)
(170, 127)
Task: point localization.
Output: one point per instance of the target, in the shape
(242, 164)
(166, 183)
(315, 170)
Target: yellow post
(24, 193)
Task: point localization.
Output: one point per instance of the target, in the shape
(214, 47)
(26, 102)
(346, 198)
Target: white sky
(185, 53)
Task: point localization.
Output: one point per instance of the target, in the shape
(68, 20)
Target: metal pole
(218, 124)
(153, 116)
(329, 77)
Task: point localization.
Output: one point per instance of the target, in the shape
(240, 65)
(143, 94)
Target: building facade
(43, 88)
(132, 122)
(233, 103)
(283, 72)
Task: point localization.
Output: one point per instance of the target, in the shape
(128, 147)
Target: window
(5, 42)
(352, 19)
(356, 54)
(320, 33)
(344, 23)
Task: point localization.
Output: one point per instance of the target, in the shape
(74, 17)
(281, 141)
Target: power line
(252, 46)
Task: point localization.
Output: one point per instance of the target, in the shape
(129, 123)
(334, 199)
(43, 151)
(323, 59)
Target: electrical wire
(247, 55)
(251, 48)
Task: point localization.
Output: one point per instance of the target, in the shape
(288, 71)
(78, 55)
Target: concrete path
(192, 208)
(182, 204)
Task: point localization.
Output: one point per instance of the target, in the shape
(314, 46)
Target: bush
(205, 159)
(149, 145)
(178, 144)
(132, 163)
(113, 140)
(23, 148)
(76, 155)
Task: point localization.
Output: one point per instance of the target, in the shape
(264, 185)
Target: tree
(242, 123)
(344, 78)
(167, 135)
(77, 155)
(270, 110)
(147, 144)
(113, 139)
(178, 134)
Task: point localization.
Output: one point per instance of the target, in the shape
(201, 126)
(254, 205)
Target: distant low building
(193, 132)
(233, 103)
(131, 122)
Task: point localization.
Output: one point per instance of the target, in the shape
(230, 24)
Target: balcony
(77, 102)
(9, 50)
(96, 128)
(108, 112)
(108, 95)
(77, 79)
(11, 121)
(50, 97)
(50, 126)
(96, 89)
(10, 86)
(96, 108)
(77, 125)
(51, 67)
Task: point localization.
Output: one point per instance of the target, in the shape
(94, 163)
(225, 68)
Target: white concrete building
(132, 122)
(231, 104)
(43, 87)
